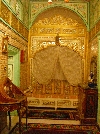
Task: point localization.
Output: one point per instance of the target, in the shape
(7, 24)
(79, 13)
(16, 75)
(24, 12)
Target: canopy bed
(57, 79)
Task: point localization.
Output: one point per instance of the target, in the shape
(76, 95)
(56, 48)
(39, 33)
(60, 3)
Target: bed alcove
(57, 72)
(57, 69)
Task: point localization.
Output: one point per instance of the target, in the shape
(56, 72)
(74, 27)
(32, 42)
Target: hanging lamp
(66, 1)
(49, 1)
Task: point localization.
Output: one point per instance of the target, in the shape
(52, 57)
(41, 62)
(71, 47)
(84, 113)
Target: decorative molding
(13, 37)
(12, 21)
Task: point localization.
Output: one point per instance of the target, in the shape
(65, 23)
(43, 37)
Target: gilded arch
(72, 31)
(40, 11)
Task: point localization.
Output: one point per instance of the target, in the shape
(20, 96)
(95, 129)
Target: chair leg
(9, 120)
(26, 116)
(19, 121)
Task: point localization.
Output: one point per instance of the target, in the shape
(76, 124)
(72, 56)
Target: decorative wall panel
(5, 13)
(12, 3)
(20, 8)
(75, 43)
(14, 22)
(55, 89)
(72, 34)
(94, 48)
(98, 27)
(48, 88)
(58, 87)
(3, 59)
(17, 40)
(21, 29)
(55, 103)
(26, 32)
(94, 12)
(79, 8)
(95, 30)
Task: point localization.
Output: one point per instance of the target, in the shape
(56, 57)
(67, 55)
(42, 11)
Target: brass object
(5, 44)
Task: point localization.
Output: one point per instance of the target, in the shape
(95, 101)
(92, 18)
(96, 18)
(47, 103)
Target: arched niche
(69, 26)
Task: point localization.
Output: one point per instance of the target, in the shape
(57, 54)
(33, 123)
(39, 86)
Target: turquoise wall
(16, 66)
(17, 69)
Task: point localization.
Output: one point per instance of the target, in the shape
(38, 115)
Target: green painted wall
(17, 69)
(16, 66)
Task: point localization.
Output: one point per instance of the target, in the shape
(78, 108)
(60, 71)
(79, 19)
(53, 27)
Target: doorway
(14, 65)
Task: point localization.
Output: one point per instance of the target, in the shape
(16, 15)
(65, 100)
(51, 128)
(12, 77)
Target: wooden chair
(12, 98)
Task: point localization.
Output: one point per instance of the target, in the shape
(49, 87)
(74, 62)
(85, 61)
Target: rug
(59, 115)
(41, 128)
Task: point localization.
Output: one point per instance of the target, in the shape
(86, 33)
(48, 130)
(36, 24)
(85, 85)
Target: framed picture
(10, 71)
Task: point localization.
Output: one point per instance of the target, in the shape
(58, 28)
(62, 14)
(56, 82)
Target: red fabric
(22, 56)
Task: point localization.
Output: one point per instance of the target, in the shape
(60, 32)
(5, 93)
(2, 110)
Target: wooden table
(12, 98)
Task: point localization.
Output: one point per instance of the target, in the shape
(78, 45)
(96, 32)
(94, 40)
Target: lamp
(5, 44)
(66, 1)
(49, 1)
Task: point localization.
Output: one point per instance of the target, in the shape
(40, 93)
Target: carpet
(39, 128)
(62, 115)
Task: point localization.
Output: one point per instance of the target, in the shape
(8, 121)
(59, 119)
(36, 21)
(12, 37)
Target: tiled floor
(14, 120)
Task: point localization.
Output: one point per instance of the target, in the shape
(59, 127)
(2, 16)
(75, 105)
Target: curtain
(57, 62)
